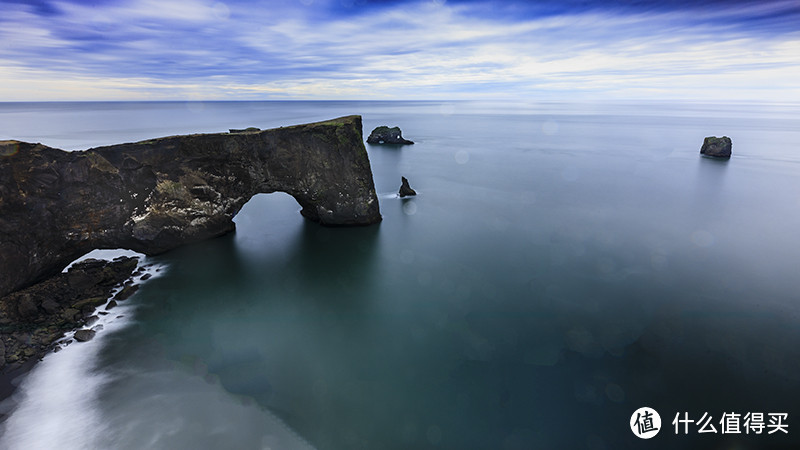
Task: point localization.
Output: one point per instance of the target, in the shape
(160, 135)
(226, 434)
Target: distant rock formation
(386, 135)
(155, 195)
(717, 147)
(405, 189)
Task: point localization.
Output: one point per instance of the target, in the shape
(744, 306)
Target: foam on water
(64, 402)
(54, 405)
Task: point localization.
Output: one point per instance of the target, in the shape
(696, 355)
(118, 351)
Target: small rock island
(405, 188)
(386, 135)
(716, 147)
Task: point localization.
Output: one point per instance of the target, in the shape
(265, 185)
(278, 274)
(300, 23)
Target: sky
(53, 50)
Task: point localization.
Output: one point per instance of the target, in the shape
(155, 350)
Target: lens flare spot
(9, 148)
(702, 238)
(221, 11)
(550, 127)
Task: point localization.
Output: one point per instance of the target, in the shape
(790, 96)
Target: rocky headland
(155, 195)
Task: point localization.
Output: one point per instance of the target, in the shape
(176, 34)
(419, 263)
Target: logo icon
(645, 422)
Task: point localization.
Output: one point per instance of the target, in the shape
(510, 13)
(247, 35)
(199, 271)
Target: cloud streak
(201, 49)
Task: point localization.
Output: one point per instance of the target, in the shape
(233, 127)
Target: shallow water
(562, 266)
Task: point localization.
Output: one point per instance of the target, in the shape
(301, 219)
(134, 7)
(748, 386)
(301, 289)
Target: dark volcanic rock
(84, 335)
(50, 306)
(27, 307)
(127, 291)
(111, 305)
(155, 195)
(386, 135)
(60, 304)
(405, 189)
(71, 315)
(717, 147)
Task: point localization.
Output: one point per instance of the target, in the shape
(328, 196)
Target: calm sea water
(562, 266)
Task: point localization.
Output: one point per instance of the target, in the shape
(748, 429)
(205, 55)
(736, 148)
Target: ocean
(562, 266)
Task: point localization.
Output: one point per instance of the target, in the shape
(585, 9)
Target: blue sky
(357, 49)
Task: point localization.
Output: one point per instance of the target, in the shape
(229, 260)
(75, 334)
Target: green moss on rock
(717, 147)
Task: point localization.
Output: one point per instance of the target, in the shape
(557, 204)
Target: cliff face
(155, 195)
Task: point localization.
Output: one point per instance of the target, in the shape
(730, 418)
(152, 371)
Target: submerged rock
(155, 195)
(84, 335)
(127, 291)
(386, 135)
(405, 189)
(716, 147)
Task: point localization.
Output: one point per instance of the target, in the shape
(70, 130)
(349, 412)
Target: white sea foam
(59, 404)
(53, 407)
(55, 403)
(393, 195)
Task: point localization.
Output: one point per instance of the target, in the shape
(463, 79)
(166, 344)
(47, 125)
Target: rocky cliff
(152, 196)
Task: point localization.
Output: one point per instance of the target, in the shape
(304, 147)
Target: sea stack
(386, 135)
(716, 147)
(405, 189)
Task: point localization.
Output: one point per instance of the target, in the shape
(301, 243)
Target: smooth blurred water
(562, 266)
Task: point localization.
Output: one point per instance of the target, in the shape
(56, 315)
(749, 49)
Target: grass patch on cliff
(170, 189)
(100, 163)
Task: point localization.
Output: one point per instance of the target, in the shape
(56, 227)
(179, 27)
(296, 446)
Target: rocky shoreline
(32, 320)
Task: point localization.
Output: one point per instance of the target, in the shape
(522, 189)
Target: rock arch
(155, 195)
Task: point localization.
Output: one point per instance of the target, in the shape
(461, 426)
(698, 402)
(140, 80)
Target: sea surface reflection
(562, 266)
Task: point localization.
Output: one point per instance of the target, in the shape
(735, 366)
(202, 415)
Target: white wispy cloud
(147, 49)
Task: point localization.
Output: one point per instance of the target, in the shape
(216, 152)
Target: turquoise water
(562, 266)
